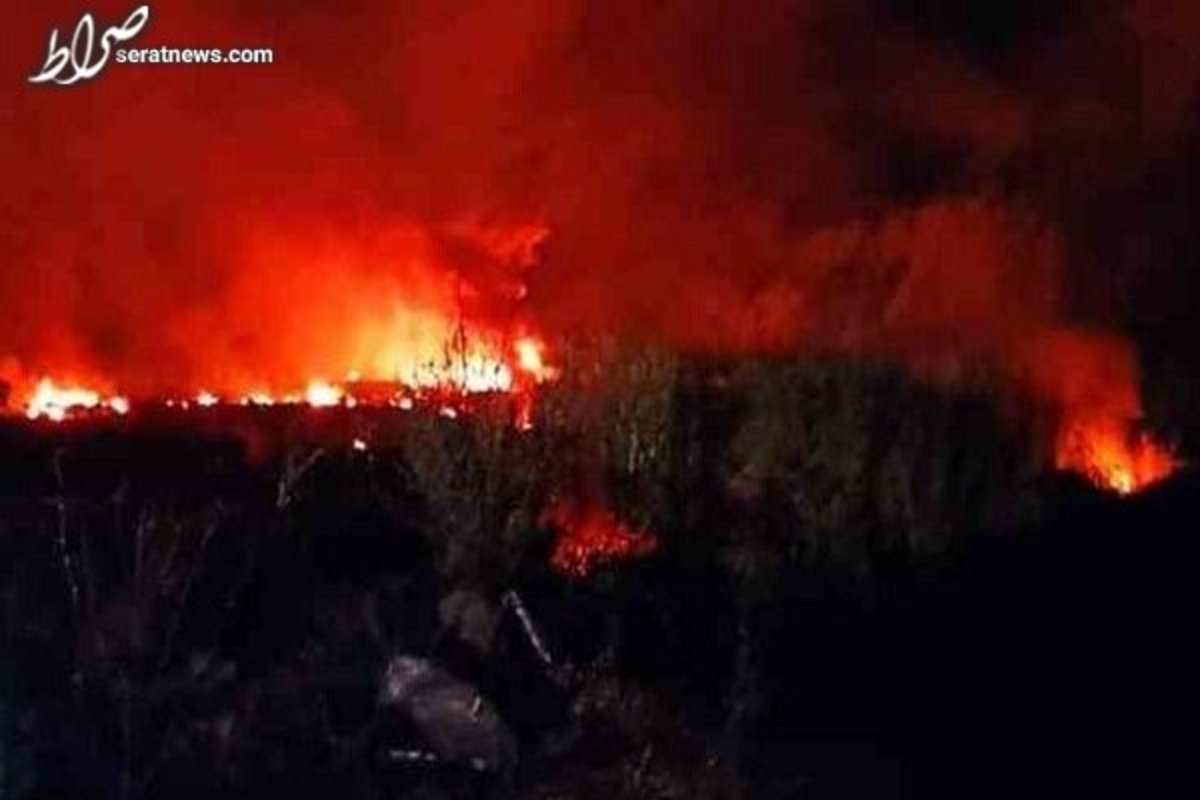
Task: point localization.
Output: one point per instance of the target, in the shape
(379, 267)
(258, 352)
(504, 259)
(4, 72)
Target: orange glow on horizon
(480, 370)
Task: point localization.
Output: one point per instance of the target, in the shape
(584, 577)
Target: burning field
(547, 398)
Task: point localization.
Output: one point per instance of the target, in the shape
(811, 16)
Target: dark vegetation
(864, 587)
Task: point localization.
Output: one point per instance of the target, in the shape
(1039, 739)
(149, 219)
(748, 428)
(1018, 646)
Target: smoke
(898, 178)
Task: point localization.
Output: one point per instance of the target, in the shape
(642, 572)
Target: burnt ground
(884, 603)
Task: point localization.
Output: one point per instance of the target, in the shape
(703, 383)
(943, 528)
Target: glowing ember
(1113, 457)
(590, 535)
(57, 403)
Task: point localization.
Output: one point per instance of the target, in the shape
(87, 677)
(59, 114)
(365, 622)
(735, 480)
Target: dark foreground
(849, 599)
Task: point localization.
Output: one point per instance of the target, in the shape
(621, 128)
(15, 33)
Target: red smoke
(713, 175)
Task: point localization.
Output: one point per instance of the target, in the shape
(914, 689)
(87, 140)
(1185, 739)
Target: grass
(187, 622)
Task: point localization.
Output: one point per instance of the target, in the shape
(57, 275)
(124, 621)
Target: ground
(849, 596)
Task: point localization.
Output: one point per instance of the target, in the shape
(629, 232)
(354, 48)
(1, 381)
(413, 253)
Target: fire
(472, 375)
(320, 394)
(257, 399)
(57, 403)
(1093, 383)
(589, 535)
(1113, 457)
(478, 369)
(320, 315)
(530, 357)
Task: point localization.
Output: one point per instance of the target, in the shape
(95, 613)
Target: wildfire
(53, 402)
(475, 371)
(530, 359)
(1093, 382)
(1113, 457)
(320, 394)
(589, 535)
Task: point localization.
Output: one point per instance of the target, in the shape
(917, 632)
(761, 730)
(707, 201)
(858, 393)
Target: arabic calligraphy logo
(82, 60)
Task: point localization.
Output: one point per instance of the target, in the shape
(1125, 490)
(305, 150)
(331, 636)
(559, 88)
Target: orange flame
(589, 535)
(57, 403)
(1093, 382)
(320, 394)
(479, 370)
(1113, 457)
(312, 315)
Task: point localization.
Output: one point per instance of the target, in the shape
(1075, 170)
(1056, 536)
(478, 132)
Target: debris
(458, 724)
(513, 600)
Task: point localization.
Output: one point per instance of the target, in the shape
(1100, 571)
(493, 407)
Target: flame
(589, 535)
(1113, 456)
(530, 358)
(320, 394)
(314, 314)
(1093, 382)
(57, 403)
(478, 369)
(257, 399)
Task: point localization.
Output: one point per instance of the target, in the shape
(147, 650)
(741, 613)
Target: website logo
(86, 55)
(82, 60)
